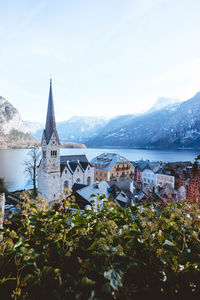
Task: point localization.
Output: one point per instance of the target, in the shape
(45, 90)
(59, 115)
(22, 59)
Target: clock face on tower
(53, 142)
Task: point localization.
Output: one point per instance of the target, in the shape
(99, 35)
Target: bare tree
(31, 164)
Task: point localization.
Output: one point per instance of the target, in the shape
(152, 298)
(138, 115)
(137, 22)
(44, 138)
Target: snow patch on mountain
(10, 118)
(163, 102)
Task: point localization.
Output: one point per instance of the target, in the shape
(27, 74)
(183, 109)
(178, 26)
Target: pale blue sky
(107, 57)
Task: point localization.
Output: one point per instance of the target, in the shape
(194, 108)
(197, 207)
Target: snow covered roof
(100, 188)
(106, 161)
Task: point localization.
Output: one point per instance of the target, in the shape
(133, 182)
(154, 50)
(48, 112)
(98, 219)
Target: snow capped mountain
(10, 118)
(175, 125)
(75, 129)
(33, 127)
(163, 102)
(13, 131)
(170, 123)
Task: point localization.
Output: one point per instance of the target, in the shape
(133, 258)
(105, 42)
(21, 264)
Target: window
(44, 154)
(78, 170)
(54, 153)
(89, 180)
(66, 184)
(96, 172)
(105, 175)
(78, 180)
(65, 171)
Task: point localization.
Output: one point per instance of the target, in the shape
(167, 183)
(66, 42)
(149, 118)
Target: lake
(12, 168)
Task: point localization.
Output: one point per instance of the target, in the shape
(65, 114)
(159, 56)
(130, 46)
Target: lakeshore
(12, 168)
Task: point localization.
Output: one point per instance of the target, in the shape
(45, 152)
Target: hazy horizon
(107, 58)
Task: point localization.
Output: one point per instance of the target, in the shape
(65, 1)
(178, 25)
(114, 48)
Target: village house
(122, 191)
(140, 166)
(163, 178)
(55, 172)
(90, 196)
(110, 166)
(155, 174)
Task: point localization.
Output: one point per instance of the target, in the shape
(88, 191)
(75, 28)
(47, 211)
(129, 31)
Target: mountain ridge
(170, 123)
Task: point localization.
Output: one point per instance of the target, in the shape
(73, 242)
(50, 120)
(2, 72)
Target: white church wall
(78, 176)
(66, 176)
(89, 172)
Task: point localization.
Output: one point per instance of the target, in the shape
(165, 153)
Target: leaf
(18, 244)
(87, 282)
(168, 243)
(115, 278)
(93, 246)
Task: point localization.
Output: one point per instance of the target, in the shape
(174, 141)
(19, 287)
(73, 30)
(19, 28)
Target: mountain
(168, 124)
(175, 125)
(13, 131)
(76, 129)
(163, 102)
(34, 127)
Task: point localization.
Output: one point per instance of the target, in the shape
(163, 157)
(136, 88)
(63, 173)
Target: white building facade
(148, 176)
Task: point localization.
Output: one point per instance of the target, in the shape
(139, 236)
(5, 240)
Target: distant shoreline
(67, 145)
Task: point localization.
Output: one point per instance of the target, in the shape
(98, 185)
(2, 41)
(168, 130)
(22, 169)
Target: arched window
(66, 185)
(89, 180)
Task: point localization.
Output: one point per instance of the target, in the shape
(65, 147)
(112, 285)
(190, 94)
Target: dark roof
(81, 158)
(72, 165)
(50, 126)
(84, 164)
(123, 185)
(77, 186)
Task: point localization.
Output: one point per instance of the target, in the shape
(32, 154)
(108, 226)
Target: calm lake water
(12, 168)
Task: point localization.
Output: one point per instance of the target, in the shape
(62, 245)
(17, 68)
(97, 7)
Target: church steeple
(50, 119)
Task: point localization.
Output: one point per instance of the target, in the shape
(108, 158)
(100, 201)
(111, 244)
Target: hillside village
(109, 174)
(112, 175)
(125, 182)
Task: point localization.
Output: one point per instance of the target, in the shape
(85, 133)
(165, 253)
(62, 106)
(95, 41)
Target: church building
(57, 173)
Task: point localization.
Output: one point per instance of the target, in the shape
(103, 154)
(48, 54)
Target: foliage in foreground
(109, 254)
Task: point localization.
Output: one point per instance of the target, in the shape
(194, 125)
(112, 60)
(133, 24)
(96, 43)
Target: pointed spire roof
(50, 126)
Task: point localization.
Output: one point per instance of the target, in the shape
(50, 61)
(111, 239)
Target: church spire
(50, 120)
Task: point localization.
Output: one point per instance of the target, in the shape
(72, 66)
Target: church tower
(49, 168)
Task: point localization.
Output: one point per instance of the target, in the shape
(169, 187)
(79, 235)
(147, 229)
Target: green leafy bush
(134, 253)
